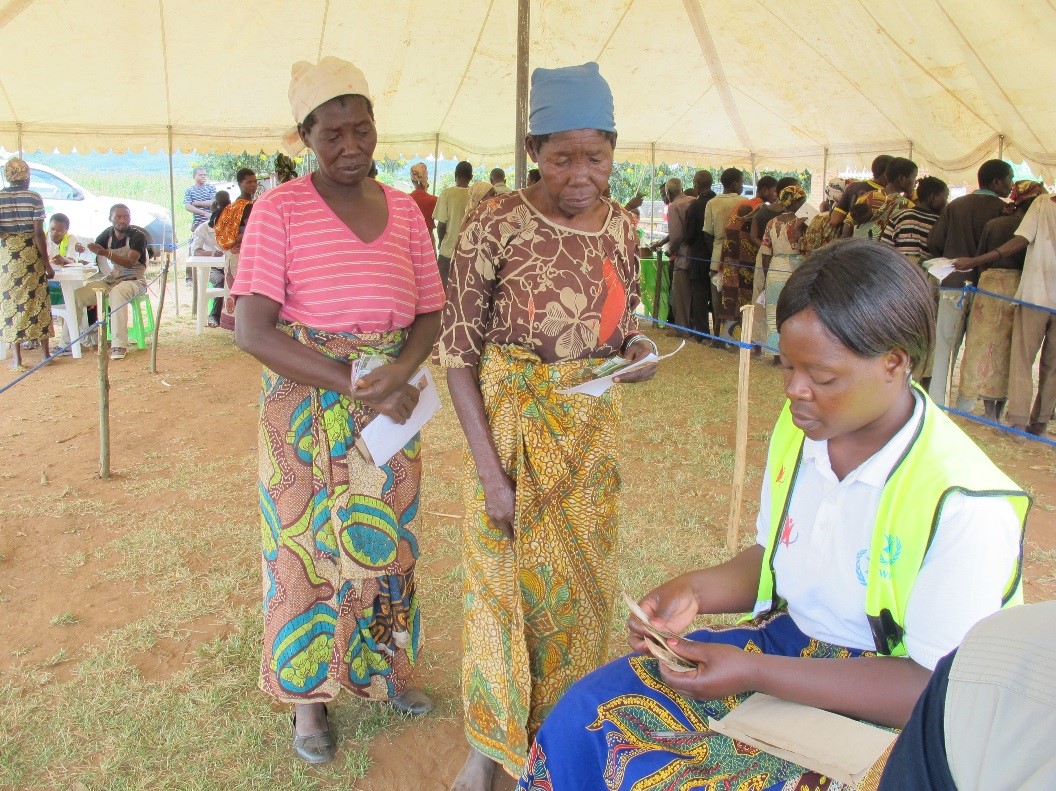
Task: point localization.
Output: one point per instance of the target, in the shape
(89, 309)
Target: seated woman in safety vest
(883, 535)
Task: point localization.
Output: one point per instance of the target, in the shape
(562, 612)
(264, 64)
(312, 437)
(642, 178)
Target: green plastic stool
(142, 325)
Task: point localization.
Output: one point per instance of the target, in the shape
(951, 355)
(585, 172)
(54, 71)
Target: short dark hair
(534, 175)
(463, 170)
(929, 186)
(787, 181)
(244, 173)
(117, 206)
(310, 119)
(60, 217)
(222, 199)
(702, 179)
(867, 295)
(731, 176)
(993, 169)
(539, 140)
(900, 167)
(765, 183)
(879, 166)
(497, 174)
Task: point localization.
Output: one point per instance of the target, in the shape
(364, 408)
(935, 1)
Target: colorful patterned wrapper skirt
(25, 306)
(340, 608)
(538, 609)
(622, 728)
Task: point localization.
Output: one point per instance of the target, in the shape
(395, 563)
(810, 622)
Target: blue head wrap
(573, 97)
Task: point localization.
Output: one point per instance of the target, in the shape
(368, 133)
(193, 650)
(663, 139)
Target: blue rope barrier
(1010, 429)
(727, 341)
(968, 288)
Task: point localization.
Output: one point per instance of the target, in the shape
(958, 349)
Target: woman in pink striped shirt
(336, 267)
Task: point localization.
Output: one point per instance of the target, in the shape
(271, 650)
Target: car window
(50, 187)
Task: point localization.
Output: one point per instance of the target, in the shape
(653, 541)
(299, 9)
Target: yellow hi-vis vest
(941, 460)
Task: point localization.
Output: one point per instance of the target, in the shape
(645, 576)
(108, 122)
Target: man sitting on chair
(121, 251)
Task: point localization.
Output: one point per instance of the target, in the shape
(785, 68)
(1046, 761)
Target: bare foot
(476, 773)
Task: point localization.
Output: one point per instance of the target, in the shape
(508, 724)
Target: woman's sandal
(412, 702)
(317, 748)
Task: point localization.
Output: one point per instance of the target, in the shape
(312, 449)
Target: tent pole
(911, 149)
(436, 159)
(172, 212)
(1000, 145)
(824, 171)
(21, 153)
(652, 192)
(520, 160)
(755, 176)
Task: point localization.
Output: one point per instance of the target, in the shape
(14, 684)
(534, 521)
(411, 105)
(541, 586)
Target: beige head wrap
(477, 191)
(313, 84)
(420, 175)
(16, 169)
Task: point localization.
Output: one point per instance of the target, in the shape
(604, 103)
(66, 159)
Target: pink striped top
(297, 252)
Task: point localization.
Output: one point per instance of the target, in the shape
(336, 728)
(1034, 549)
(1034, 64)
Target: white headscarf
(313, 84)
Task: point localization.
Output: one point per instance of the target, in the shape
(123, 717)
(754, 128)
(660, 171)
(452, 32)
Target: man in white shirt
(449, 212)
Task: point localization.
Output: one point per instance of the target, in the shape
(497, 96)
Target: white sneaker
(117, 353)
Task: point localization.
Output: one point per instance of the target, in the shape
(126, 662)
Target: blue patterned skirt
(622, 727)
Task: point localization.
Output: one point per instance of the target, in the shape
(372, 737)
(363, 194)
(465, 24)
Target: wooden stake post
(741, 435)
(161, 307)
(102, 306)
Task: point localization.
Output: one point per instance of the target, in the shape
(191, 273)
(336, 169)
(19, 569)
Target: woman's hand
(398, 405)
(500, 499)
(722, 670)
(671, 607)
(49, 270)
(386, 391)
(964, 264)
(380, 383)
(634, 352)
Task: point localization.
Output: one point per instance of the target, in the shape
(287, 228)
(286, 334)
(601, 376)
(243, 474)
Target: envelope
(836, 746)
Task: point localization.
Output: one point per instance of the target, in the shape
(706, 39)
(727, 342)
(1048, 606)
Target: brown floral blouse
(518, 278)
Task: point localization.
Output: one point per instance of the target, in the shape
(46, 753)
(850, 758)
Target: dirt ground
(130, 606)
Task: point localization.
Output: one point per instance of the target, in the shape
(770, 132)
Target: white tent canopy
(781, 84)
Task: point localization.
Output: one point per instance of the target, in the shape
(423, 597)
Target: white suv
(89, 214)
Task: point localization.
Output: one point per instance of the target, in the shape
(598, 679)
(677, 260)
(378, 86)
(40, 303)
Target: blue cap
(573, 97)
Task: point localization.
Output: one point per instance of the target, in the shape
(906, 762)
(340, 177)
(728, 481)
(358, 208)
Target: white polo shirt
(822, 557)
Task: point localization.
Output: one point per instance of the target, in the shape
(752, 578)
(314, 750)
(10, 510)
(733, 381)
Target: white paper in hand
(940, 268)
(382, 438)
(597, 387)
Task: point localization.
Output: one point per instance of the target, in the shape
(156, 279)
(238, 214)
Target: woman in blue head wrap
(544, 283)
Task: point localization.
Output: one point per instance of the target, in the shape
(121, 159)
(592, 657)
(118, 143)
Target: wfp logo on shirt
(888, 558)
